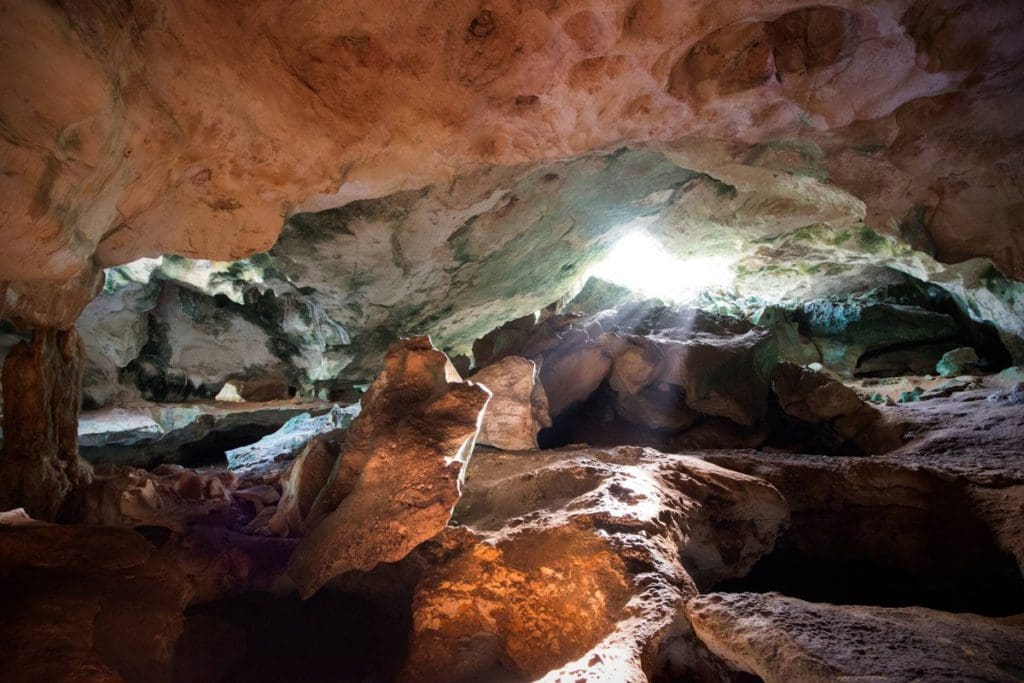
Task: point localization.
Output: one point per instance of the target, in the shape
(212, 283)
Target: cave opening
(639, 262)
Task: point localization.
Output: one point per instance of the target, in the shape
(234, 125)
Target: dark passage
(333, 637)
(996, 589)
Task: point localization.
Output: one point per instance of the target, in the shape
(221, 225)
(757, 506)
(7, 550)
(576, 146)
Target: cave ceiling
(203, 130)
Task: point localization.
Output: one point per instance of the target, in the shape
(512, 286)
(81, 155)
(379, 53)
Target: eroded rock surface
(268, 456)
(100, 603)
(815, 398)
(784, 639)
(400, 475)
(574, 563)
(518, 408)
(921, 94)
(39, 464)
(143, 434)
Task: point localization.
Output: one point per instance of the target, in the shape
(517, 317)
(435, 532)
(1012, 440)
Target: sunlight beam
(639, 263)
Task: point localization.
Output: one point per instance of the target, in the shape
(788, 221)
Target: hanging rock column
(42, 385)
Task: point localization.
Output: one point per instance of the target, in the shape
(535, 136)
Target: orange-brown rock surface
(196, 128)
(573, 564)
(400, 474)
(42, 383)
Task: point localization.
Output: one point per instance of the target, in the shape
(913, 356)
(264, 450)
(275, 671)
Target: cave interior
(563, 341)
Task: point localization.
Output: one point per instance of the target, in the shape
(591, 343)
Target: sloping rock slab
(149, 434)
(518, 407)
(784, 639)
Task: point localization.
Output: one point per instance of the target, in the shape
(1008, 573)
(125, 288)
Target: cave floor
(576, 563)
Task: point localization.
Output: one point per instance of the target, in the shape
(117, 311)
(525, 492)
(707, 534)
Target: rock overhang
(907, 107)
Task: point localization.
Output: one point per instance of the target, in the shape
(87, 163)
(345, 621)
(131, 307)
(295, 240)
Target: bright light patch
(638, 262)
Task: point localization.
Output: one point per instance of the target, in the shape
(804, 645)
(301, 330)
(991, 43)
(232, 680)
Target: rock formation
(782, 639)
(518, 408)
(574, 563)
(399, 477)
(39, 463)
(633, 340)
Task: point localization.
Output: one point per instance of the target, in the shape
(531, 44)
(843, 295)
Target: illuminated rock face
(518, 408)
(399, 476)
(908, 106)
(363, 172)
(573, 563)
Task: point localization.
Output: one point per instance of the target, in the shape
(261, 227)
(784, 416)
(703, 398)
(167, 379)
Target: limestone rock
(100, 603)
(39, 463)
(919, 359)
(400, 474)
(903, 509)
(518, 408)
(784, 639)
(816, 398)
(957, 362)
(256, 390)
(846, 330)
(170, 496)
(574, 564)
(572, 373)
(270, 454)
(812, 396)
(723, 374)
(149, 434)
(301, 483)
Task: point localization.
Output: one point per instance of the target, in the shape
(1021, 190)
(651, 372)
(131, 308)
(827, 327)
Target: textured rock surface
(860, 303)
(271, 453)
(561, 565)
(574, 563)
(301, 483)
(815, 398)
(677, 377)
(957, 362)
(171, 156)
(400, 474)
(106, 604)
(39, 462)
(723, 372)
(518, 408)
(784, 639)
(148, 434)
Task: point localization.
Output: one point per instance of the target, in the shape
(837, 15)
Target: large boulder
(723, 373)
(572, 372)
(400, 475)
(957, 362)
(518, 407)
